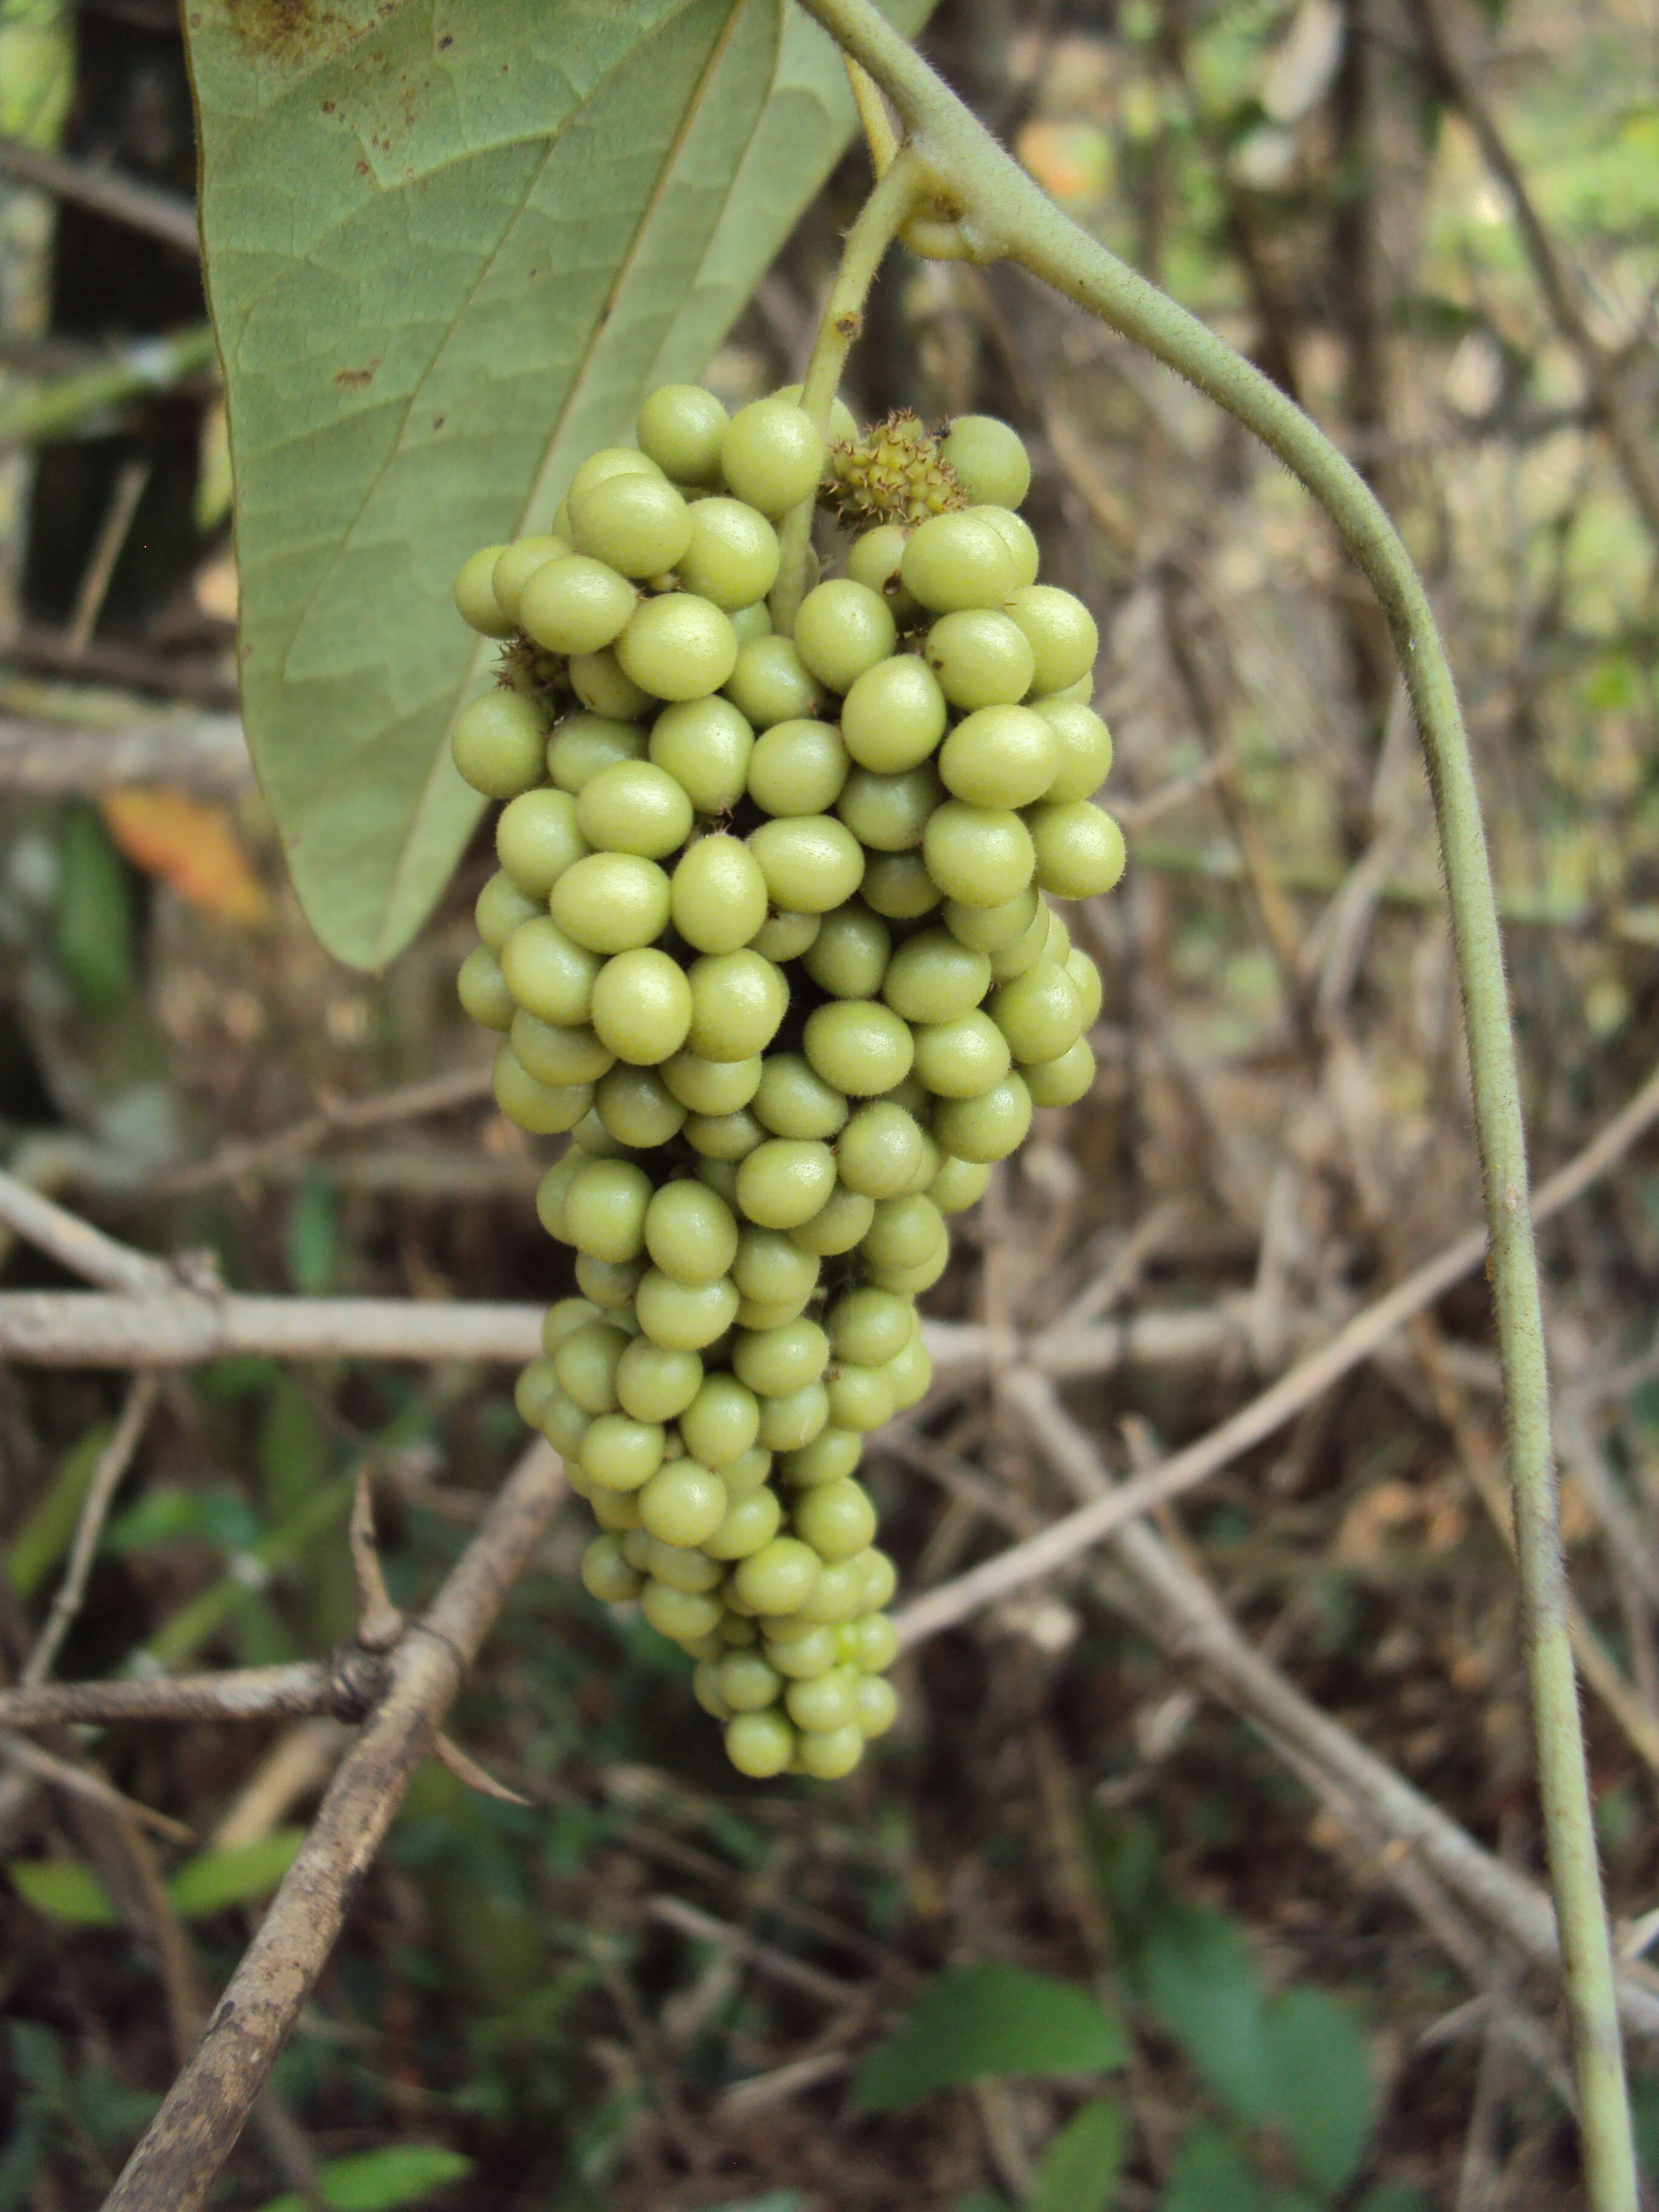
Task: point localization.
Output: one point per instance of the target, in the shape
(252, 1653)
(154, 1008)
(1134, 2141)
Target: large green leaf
(1319, 2092)
(982, 2021)
(449, 243)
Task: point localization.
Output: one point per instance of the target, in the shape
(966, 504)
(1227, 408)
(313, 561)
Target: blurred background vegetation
(1437, 225)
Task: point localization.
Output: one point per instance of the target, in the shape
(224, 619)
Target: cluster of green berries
(769, 938)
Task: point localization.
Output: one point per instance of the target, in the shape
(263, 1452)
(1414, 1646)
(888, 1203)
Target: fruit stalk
(897, 192)
(1014, 219)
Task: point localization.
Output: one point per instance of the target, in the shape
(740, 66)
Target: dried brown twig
(175, 2163)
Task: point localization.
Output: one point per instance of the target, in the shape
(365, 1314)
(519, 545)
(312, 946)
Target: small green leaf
(1319, 2091)
(1081, 2168)
(214, 1880)
(380, 2180)
(980, 2020)
(1197, 1976)
(93, 935)
(1209, 2176)
(1392, 2196)
(63, 1889)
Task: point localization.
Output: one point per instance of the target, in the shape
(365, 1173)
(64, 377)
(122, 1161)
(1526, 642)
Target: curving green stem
(899, 190)
(1002, 214)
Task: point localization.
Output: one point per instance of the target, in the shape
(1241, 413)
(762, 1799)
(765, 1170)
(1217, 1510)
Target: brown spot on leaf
(356, 380)
(297, 31)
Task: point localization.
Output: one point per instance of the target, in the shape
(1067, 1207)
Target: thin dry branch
(74, 1243)
(175, 2163)
(111, 1464)
(1194, 1630)
(344, 1687)
(140, 206)
(206, 754)
(1064, 1539)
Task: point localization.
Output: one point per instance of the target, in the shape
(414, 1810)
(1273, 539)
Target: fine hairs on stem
(1002, 215)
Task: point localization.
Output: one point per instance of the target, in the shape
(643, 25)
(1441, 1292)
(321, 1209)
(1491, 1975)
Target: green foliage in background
(448, 248)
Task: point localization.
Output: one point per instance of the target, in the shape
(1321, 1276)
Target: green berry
(732, 558)
(654, 1383)
(769, 1267)
(898, 885)
(876, 1703)
(584, 743)
(770, 682)
(849, 957)
(704, 745)
(773, 1361)
(585, 1364)
(515, 564)
(636, 1107)
(963, 1058)
(690, 1232)
(1064, 1080)
(977, 855)
(749, 1684)
(638, 524)
(797, 767)
(737, 1000)
(713, 1086)
(858, 1045)
(599, 681)
(611, 901)
(890, 813)
(784, 1182)
(547, 973)
(959, 561)
(605, 1209)
(830, 1754)
(836, 1226)
(934, 978)
(1000, 756)
(499, 908)
(760, 1744)
(842, 629)
(683, 1504)
(717, 895)
(498, 744)
(677, 647)
(771, 455)
(874, 560)
(719, 1426)
(634, 806)
(981, 658)
(684, 1316)
(680, 427)
(905, 1232)
(483, 990)
(620, 1454)
(810, 862)
(543, 1109)
(750, 1523)
(475, 594)
(1016, 533)
(829, 1701)
(776, 1578)
(988, 1127)
(784, 936)
(1038, 1012)
(1078, 848)
(606, 1574)
(1083, 748)
(831, 1457)
(642, 1005)
(958, 1184)
(609, 461)
(1061, 631)
(575, 604)
(879, 1150)
(869, 1327)
(861, 1398)
(988, 458)
(893, 715)
(793, 1100)
(536, 838)
(683, 1615)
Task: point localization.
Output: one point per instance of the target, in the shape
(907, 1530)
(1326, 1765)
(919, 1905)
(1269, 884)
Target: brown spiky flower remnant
(897, 472)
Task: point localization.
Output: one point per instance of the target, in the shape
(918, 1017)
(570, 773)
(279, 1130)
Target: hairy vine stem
(1001, 213)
